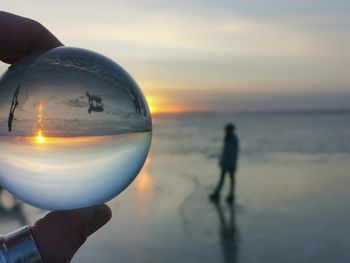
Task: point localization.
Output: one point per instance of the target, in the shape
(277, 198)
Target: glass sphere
(75, 129)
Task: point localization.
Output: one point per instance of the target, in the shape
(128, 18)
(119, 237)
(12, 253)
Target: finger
(60, 234)
(20, 36)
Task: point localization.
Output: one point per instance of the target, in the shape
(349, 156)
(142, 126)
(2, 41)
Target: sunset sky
(214, 55)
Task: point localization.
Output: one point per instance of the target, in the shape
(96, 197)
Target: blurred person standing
(228, 163)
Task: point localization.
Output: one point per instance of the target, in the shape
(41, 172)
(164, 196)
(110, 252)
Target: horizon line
(282, 111)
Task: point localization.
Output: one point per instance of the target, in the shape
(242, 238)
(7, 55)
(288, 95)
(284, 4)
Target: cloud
(197, 34)
(263, 46)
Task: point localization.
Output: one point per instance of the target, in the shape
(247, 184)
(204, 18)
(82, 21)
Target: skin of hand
(59, 234)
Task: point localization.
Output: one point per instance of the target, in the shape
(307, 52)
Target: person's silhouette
(13, 107)
(228, 162)
(136, 105)
(136, 101)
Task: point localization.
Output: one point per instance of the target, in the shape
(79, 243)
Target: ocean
(292, 194)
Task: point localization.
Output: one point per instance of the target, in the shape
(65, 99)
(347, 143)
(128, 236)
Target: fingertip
(101, 216)
(107, 211)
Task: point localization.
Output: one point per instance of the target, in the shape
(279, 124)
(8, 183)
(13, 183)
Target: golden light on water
(144, 181)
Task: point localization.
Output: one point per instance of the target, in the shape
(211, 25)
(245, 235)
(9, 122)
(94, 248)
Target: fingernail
(100, 218)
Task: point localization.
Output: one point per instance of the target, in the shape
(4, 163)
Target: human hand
(20, 37)
(59, 234)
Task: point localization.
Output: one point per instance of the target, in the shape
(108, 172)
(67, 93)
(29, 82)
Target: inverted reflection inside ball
(75, 129)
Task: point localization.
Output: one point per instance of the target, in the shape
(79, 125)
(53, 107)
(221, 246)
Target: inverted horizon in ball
(75, 129)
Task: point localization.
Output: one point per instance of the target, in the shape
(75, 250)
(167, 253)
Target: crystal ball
(75, 129)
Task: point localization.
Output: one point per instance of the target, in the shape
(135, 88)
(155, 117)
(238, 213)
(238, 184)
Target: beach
(291, 201)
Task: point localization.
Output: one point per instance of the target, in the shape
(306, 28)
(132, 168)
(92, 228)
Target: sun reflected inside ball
(75, 129)
(40, 138)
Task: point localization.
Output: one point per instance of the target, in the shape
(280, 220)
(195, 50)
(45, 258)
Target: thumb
(60, 234)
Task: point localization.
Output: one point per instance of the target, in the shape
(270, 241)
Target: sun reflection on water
(144, 182)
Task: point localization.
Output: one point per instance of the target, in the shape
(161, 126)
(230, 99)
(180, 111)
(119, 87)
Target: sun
(152, 104)
(40, 138)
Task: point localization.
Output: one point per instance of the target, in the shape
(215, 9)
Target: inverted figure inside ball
(75, 129)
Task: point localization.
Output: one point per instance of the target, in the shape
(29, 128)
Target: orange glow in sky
(153, 107)
(208, 59)
(160, 104)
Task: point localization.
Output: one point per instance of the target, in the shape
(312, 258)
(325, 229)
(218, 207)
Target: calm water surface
(292, 194)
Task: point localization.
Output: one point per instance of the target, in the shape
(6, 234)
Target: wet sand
(289, 207)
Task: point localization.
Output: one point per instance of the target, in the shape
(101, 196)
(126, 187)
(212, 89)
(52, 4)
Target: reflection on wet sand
(211, 222)
(228, 233)
(144, 183)
(144, 190)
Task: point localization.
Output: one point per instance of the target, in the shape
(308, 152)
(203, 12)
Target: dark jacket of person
(230, 151)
